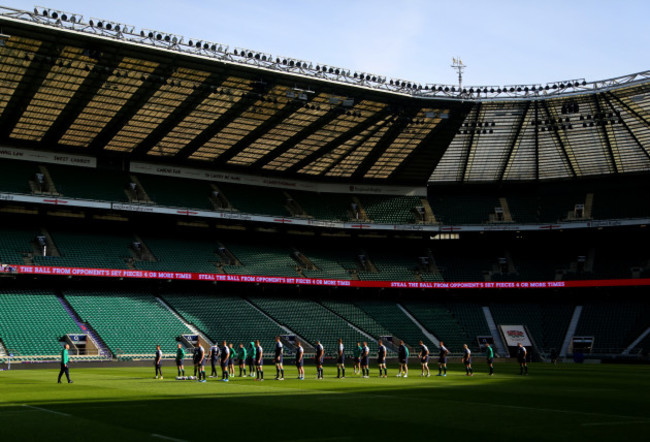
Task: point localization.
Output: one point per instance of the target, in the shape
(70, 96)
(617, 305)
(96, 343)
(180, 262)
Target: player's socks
(439, 371)
(262, 374)
(282, 372)
(338, 372)
(343, 371)
(445, 369)
(385, 371)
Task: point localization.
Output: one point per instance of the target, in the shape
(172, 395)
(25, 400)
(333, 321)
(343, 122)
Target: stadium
(157, 190)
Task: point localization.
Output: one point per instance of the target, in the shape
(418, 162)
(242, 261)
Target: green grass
(568, 402)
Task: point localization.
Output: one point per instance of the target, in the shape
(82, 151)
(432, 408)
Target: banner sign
(281, 183)
(47, 157)
(217, 277)
(515, 334)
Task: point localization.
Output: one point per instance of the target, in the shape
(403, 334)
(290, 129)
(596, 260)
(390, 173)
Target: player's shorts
(521, 360)
(259, 362)
(179, 362)
(381, 360)
(365, 360)
(224, 363)
(490, 360)
(279, 359)
(319, 361)
(442, 360)
(203, 362)
(340, 359)
(299, 363)
(403, 361)
(356, 359)
(231, 361)
(424, 360)
(467, 361)
(250, 360)
(157, 364)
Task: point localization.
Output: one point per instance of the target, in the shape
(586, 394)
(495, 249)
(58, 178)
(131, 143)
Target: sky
(501, 42)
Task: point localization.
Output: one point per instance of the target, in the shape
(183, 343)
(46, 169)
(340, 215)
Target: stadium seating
(32, 322)
(262, 260)
(463, 209)
(328, 263)
(86, 183)
(390, 209)
(325, 206)
(354, 315)
(472, 319)
(129, 323)
(393, 319)
(225, 317)
(14, 244)
(391, 267)
(180, 255)
(15, 176)
(88, 250)
(440, 321)
(255, 200)
(547, 323)
(177, 192)
(299, 315)
(613, 325)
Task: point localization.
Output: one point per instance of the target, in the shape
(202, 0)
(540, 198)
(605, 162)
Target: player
(251, 359)
(300, 352)
(318, 360)
(65, 362)
(158, 362)
(259, 361)
(279, 359)
(365, 356)
(381, 359)
(180, 356)
(521, 358)
(357, 358)
(467, 360)
(340, 360)
(242, 356)
(442, 359)
(489, 353)
(403, 357)
(231, 360)
(215, 351)
(225, 357)
(423, 354)
(199, 362)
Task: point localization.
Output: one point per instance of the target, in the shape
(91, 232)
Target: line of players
(253, 357)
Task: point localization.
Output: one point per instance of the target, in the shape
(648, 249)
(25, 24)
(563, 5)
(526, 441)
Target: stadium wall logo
(515, 334)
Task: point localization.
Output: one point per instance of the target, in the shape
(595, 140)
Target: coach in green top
(356, 354)
(489, 353)
(180, 355)
(65, 359)
(252, 353)
(241, 355)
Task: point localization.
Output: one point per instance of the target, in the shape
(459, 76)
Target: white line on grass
(46, 410)
(160, 436)
(594, 424)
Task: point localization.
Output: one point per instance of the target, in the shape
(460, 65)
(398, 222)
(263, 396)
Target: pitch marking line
(160, 436)
(594, 424)
(46, 410)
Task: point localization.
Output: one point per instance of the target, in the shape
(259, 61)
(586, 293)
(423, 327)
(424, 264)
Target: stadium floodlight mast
(457, 64)
(165, 41)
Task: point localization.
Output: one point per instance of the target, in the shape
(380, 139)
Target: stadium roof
(107, 90)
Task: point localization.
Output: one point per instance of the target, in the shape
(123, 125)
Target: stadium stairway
(191, 327)
(571, 330)
(103, 349)
(632, 346)
(426, 332)
(498, 341)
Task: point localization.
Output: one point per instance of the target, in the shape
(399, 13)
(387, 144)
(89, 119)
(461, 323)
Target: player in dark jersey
(489, 353)
(467, 360)
(231, 360)
(242, 356)
(251, 359)
(199, 362)
(180, 356)
(300, 353)
(381, 359)
(214, 359)
(340, 360)
(225, 357)
(158, 362)
(521, 358)
(259, 361)
(423, 354)
(442, 359)
(278, 358)
(357, 358)
(365, 360)
(318, 360)
(403, 358)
